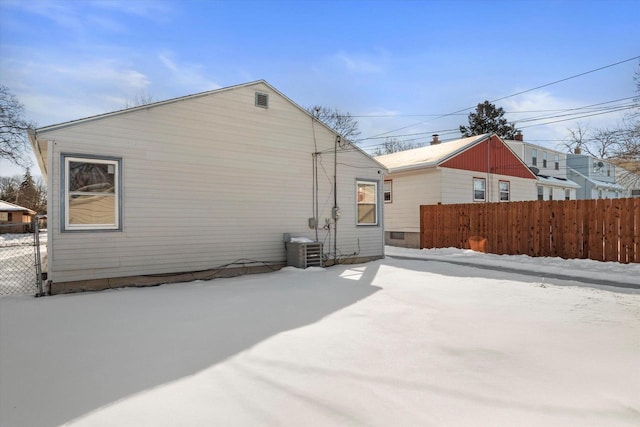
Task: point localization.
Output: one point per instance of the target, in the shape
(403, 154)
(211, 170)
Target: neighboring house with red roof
(14, 218)
(478, 169)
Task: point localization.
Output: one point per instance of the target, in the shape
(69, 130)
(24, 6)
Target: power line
(510, 96)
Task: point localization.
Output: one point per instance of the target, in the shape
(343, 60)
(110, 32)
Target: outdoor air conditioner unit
(304, 254)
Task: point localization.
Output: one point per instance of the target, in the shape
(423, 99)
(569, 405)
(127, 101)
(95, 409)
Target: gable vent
(262, 100)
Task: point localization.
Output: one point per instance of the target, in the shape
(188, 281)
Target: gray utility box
(303, 255)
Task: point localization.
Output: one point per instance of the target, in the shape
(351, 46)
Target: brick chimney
(519, 136)
(435, 140)
(577, 150)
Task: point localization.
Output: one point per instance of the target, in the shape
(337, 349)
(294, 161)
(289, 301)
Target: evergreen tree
(489, 119)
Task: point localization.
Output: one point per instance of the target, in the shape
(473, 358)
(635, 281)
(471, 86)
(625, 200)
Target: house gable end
(489, 155)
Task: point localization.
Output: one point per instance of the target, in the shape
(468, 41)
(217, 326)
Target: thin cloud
(360, 64)
(104, 71)
(79, 16)
(554, 114)
(192, 77)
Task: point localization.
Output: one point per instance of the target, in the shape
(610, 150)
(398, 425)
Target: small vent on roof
(262, 100)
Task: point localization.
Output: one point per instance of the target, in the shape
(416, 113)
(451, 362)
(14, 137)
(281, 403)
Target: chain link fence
(23, 249)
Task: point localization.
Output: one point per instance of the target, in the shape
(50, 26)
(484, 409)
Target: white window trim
(508, 192)
(390, 181)
(376, 202)
(66, 159)
(484, 181)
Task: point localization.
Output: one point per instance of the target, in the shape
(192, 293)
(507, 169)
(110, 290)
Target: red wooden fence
(603, 229)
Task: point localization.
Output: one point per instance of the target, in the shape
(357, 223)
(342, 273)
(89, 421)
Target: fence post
(36, 245)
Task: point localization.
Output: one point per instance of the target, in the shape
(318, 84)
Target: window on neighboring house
(504, 191)
(556, 161)
(367, 202)
(540, 192)
(551, 193)
(544, 159)
(567, 194)
(387, 191)
(479, 186)
(92, 193)
(534, 157)
(599, 194)
(608, 170)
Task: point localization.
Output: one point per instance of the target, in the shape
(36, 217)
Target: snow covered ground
(393, 342)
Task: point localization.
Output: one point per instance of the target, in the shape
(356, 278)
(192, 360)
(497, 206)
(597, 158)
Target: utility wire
(510, 96)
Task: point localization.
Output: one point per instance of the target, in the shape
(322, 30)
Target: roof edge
(151, 105)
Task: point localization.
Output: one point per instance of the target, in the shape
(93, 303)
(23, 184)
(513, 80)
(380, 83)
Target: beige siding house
(14, 218)
(550, 167)
(478, 169)
(206, 185)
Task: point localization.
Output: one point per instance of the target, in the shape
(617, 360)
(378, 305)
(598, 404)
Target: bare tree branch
(14, 143)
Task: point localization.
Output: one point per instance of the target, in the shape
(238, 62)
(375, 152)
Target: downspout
(335, 200)
(489, 170)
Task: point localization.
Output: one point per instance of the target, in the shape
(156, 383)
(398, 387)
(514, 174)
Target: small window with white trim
(91, 193)
(367, 202)
(387, 191)
(505, 192)
(479, 189)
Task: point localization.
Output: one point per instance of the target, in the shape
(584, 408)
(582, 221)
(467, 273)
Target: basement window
(396, 235)
(262, 100)
(91, 193)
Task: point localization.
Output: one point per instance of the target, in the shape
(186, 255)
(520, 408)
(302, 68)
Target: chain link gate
(21, 247)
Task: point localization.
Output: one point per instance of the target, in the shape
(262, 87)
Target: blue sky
(397, 66)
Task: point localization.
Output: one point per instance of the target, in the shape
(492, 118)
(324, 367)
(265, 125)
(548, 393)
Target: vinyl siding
(457, 186)
(207, 181)
(443, 185)
(409, 191)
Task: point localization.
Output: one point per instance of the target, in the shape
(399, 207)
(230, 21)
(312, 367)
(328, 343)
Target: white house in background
(478, 169)
(550, 167)
(597, 178)
(207, 184)
(630, 181)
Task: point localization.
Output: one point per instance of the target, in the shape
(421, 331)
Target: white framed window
(567, 194)
(534, 157)
(556, 161)
(540, 192)
(387, 190)
(505, 190)
(91, 193)
(544, 159)
(479, 189)
(367, 202)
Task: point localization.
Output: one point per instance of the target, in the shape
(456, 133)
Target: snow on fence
(20, 261)
(602, 230)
